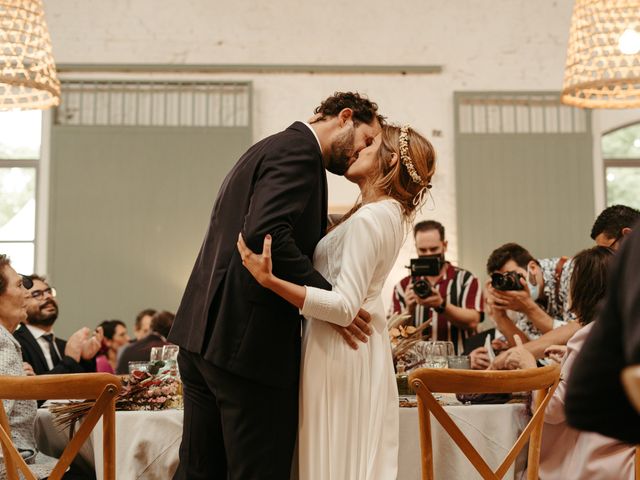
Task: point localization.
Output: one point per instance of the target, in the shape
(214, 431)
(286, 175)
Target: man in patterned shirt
(455, 307)
(543, 303)
(609, 230)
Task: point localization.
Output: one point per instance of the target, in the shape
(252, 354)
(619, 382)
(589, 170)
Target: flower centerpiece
(151, 390)
(403, 337)
(156, 388)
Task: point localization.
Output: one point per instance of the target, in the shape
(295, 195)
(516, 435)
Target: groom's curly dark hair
(364, 110)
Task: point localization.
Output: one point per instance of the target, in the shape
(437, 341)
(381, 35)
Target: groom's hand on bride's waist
(358, 330)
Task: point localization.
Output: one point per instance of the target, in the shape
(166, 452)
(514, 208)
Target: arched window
(621, 153)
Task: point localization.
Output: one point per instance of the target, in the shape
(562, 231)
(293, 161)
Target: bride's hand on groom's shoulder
(358, 330)
(258, 265)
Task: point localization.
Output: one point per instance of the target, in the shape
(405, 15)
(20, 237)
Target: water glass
(422, 349)
(170, 357)
(437, 357)
(170, 352)
(156, 354)
(459, 362)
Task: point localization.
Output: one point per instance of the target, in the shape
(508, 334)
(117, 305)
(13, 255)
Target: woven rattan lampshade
(603, 70)
(28, 78)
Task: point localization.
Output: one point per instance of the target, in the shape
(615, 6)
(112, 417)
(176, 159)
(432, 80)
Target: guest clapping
(41, 348)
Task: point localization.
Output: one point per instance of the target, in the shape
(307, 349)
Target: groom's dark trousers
(240, 343)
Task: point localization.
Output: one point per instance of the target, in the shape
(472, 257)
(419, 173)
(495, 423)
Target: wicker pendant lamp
(28, 78)
(603, 57)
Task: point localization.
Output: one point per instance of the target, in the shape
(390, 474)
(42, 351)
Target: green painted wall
(535, 189)
(129, 207)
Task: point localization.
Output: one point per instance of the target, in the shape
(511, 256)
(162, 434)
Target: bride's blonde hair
(409, 177)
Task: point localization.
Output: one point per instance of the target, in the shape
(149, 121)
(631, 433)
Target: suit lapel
(301, 127)
(34, 346)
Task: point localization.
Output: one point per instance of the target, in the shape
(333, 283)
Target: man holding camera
(525, 296)
(449, 296)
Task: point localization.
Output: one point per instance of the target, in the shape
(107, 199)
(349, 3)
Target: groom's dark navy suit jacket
(278, 187)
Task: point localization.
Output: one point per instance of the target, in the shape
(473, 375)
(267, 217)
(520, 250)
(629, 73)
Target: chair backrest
(102, 387)
(426, 381)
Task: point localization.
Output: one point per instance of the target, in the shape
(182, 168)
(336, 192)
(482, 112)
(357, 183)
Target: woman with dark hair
(566, 452)
(348, 417)
(115, 337)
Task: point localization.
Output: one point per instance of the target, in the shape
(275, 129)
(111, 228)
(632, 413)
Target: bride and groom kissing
(252, 383)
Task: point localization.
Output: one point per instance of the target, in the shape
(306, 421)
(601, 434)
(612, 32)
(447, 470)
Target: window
(20, 137)
(621, 153)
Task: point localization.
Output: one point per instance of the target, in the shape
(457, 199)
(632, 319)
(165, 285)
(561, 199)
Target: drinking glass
(459, 362)
(438, 352)
(156, 354)
(170, 357)
(423, 349)
(170, 352)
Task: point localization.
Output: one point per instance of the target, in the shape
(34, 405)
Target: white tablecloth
(491, 429)
(147, 442)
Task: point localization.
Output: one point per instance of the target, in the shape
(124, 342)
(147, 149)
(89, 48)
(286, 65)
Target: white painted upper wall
(481, 45)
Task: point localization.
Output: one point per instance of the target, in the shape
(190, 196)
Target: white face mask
(532, 283)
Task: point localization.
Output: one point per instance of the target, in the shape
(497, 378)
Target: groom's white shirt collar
(314, 134)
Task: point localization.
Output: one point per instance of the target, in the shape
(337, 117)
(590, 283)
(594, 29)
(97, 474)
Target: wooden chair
(425, 381)
(102, 387)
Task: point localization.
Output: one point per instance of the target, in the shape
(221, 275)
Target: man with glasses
(611, 227)
(40, 347)
(613, 224)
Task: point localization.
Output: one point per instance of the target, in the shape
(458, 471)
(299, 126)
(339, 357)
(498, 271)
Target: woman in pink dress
(567, 453)
(115, 337)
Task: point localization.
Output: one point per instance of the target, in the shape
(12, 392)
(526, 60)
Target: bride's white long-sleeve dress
(348, 426)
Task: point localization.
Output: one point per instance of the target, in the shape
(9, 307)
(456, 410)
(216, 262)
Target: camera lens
(422, 288)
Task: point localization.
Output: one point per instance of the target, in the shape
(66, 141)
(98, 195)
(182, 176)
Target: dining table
(147, 442)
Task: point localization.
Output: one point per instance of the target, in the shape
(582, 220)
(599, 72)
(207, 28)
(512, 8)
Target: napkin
(487, 345)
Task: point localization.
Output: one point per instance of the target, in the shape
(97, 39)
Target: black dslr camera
(421, 267)
(506, 281)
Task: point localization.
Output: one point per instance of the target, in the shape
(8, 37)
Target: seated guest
(566, 452)
(140, 350)
(613, 224)
(596, 400)
(541, 304)
(20, 413)
(455, 307)
(41, 348)
(142, 326)
(115, 337)
(610, 228)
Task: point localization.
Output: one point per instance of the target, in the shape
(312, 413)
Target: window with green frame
(621, 153)
(20, 138)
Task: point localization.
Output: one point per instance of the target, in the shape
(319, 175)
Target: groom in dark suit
(240, 344)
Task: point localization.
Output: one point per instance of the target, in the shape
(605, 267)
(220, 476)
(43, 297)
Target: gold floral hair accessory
(406, 158)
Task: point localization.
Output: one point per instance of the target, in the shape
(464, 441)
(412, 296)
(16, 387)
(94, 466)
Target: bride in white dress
(348, 423)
